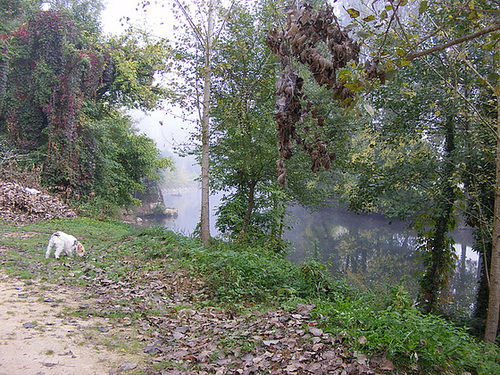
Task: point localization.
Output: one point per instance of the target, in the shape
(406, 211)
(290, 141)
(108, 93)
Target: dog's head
(79, 248)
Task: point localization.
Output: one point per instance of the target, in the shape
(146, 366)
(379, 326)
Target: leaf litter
(161, 310)
(187, 339)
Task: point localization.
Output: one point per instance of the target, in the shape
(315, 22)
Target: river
(374, 252)
(369, 250)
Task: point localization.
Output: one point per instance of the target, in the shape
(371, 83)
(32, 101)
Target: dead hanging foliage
(314, 39)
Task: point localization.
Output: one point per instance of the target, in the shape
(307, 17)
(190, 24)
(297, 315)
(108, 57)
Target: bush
(416, 341)
(235, 274)
(159, 242)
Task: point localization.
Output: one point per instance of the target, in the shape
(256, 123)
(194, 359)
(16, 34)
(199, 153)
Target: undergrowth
(242, 276)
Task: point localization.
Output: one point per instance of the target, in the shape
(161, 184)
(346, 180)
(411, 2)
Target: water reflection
(188, 204)
(373, 252)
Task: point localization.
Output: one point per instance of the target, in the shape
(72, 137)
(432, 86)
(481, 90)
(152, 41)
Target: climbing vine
(59, 81)
(52, 72)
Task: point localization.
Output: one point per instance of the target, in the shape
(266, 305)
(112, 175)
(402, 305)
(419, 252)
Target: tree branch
(454, 42)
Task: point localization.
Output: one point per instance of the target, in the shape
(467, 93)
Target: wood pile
(23, 205)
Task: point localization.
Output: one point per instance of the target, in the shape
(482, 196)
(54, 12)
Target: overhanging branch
(451, 43)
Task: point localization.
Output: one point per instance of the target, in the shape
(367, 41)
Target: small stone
(387, 365)
(270, 342)
(152, 349)
(316, 331)
(304, 309)
(316, 340)
(317, 347)
(178, 335)
(127, 366)
(28, 325)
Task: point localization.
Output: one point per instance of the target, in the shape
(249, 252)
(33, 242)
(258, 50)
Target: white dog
(64, 242)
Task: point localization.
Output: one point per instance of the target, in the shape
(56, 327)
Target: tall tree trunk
(434, 280)
(205, 134)
(494, 296)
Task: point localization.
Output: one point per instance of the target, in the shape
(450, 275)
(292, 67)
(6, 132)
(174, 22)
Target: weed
(24, 274)
(236, 344)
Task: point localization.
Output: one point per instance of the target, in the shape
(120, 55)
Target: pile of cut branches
(28, 205)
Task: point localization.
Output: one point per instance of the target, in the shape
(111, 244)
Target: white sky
(117, 9)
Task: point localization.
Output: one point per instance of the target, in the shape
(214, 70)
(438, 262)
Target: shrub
(234, 274)
(414, 340)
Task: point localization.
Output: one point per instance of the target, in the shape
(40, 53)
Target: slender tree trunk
(278, 226)
(494, 296)
(250, 205)
(205, 134)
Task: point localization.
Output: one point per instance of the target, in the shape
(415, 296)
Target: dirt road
(39, 336)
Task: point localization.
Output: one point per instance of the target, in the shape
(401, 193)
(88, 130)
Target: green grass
(241, 277)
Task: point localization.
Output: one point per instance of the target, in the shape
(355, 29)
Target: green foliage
(159, 242)
(390, 325)
(85, 13)
(123, 158)
(243, 147)
(14, 12)
(265, 220)
(237, 274)
(243, 277)
(314, 281)
(136, 60)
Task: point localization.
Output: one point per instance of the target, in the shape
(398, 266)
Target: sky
(155, 15)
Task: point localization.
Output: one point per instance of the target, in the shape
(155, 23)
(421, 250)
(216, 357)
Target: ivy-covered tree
(62, 78)
(458, 30)
(13, 13)
(416, 134)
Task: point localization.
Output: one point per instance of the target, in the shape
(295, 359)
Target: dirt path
(38, 336)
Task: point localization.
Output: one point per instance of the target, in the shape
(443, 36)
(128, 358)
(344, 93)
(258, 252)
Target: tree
(14, 12)
(243, 149)
(419, 110)
(85, 13)
(390, 19)
(476, 17)
(195, 53)
(205, 130)
(61, 79)
(123, 160)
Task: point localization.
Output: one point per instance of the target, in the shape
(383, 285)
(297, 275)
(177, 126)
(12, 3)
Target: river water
(369, 250)
(374, 252)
